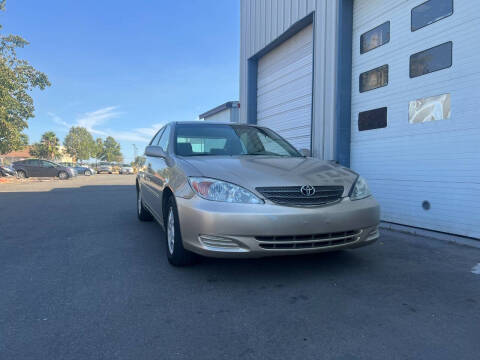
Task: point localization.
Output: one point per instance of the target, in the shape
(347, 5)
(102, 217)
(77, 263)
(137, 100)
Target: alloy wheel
(171, 231)
(139, 202)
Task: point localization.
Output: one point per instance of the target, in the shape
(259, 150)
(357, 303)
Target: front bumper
(255, 230)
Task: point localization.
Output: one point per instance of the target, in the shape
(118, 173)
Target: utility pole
(134, 152)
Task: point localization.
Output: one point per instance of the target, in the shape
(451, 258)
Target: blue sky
(124, 68)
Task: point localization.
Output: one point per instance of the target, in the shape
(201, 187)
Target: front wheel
(21, 174)
(62, 175)
(176, 253)
(87, 173)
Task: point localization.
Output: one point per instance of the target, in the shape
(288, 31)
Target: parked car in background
(105, 168)
(84, 169)
(81, 169)
(7, 171)
(42, 168)
(237, 190)
(126, 169)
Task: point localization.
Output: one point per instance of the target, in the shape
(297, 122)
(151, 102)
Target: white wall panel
(284, 89)
(222, 116)
(264, 21)
(439, 161)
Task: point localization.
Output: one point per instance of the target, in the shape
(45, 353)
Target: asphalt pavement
(82, 278)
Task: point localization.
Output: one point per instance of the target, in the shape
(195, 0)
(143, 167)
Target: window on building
(429, 109)
(372, 119)
(373, 79)
(430, 60)
(429, 12)
(375, 37)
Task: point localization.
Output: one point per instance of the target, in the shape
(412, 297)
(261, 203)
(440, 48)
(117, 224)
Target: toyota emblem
(307, 190)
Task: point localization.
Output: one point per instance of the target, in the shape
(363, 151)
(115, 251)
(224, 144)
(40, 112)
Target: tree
(139, 161)
(111, 150)
(47, 148)
(38, 150)
(79, 143)
(98, 149)
(17, 79)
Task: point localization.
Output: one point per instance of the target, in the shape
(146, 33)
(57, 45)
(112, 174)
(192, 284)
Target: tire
(21, 174)
(142, 212)
(62, 175)
(110, 173)
(87, 173)
(176, 253)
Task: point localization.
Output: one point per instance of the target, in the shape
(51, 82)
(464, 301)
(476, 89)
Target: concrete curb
(431, 234)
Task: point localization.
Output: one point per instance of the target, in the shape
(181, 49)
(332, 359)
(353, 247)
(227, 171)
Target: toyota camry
(238, 190)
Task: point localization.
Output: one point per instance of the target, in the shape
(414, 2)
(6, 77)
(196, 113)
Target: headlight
(360, 190)
(216, 190)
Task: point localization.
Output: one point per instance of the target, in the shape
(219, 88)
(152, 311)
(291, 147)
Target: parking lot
(82, 278)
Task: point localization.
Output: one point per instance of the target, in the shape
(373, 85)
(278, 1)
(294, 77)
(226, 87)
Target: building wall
(424, 174)
(265, 22)
(227, 115)
(222, 116)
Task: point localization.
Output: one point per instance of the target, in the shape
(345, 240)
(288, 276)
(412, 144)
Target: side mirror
(155, 151)
(305, 152)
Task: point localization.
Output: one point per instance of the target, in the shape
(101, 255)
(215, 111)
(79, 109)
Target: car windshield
(224, 139)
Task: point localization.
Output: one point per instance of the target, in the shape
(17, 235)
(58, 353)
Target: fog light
(373, 235)
(220, 243)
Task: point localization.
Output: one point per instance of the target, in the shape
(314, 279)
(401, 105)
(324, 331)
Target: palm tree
(51, 144)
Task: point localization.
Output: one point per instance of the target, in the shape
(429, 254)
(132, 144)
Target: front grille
(292, 195)
(308, 241)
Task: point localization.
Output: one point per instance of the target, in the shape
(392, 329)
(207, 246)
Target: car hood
(259, 171)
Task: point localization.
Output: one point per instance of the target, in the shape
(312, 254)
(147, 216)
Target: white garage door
(284, 89)
(423, 163)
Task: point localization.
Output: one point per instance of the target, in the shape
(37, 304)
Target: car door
(22, 165)
(159, 174)
(33, 168)
(47, 169)
(146, 176)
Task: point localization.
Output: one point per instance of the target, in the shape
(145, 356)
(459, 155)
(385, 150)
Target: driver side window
(155, 139)
(46, 164)
(33, 162)
(164, 139)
